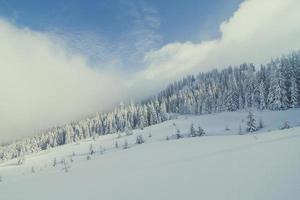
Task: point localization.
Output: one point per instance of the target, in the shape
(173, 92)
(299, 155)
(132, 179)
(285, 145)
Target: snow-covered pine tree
(94, 136)
(91, 150)
(76, 138)
(139, 139)
(163, 111)
(284, 81)
(261, 124)
(54, 162)
(65, 165)
(157, 109)
(251, 123)
(21, 159)
(69, 134)
(140, 118)
(152, 115)
(262, 102)
(241, 103)
(193, 131)
(286, 125)
(294, 93)
(274, 92)
(277, 98)
(178, 134)
(200, 131)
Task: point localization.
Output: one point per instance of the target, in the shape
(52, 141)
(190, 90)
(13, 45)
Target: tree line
(274, 86)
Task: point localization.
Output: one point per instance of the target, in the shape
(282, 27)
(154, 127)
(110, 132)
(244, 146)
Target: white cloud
(42, 85)
(53, 77)
(257, 31)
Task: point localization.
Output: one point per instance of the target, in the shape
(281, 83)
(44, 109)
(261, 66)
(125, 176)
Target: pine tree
(21, 159)
(76, 138)
(192, 131)
(261, 124)
(283, 89)
(152, 114)
(140, 139)
(91, 150)
(286, 125)
(251, 124)
(294, 93)
(163, 111)
(141, 119)
(54, 162)
(262, 102)
(241, 104)
(277, 98)
(94, 136)
(178, 134)
(69, 134)
(273, 96)
(200, 131)
(66, 165)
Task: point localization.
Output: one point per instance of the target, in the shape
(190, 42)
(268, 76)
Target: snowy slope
(221, 165)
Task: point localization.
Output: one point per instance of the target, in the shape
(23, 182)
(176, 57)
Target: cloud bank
(43, 84)
(257, 31)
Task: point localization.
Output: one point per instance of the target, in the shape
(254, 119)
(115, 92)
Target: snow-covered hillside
(220, 165)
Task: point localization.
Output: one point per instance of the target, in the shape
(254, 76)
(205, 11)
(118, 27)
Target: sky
(124, 28)
(63, 60)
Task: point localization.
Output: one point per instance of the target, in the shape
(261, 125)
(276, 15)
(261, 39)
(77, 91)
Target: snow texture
(220, 165)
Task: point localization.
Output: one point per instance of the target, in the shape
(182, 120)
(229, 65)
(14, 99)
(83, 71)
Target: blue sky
(118, 28)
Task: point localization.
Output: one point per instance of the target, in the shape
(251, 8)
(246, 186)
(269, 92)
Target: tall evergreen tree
(294, 93)
(262, 102)
(251, 122)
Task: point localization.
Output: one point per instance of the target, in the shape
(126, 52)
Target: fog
(42, 84)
